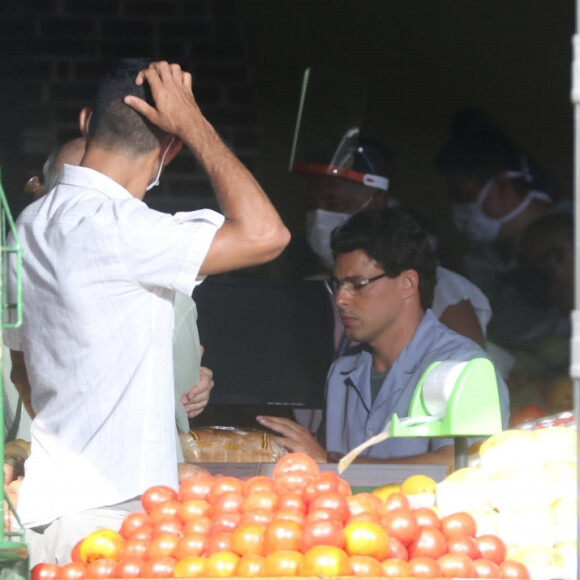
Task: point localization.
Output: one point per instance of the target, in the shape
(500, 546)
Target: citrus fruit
(418, 483)
(384, 491)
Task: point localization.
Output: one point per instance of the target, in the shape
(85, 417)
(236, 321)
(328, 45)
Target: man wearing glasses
(384, 278)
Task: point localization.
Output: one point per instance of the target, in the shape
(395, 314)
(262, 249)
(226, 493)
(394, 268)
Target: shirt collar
(91, 178)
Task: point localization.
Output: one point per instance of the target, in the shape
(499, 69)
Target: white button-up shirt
(100, 271)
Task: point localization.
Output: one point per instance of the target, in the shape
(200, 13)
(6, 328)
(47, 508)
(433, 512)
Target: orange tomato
(135, 549)
(366, 566)
(424, 567)
(75, 571)
(282, 535)
(159, 567)
(190, 545)
(283, 563)
(292, 500)
(196, 487)
(366, 539)
(395, 568)
(258, 516)
(250, 565)
(167, 510)
(248, 539)
(221, 564)
(294, 515)
(101, 568)
(133, 521)
(221, 542)
(257, 483)
(102, 544)
(163, 546)
(228, 502)
(261, 499)
(325, 561)
(190, 567)
(333, 501)
(224, 484)
(194, 508)
(366, 503)
(199, 525)
(129, 568)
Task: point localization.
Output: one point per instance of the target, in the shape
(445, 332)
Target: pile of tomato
(299, 522)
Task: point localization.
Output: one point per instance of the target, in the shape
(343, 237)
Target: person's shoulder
(448, 341)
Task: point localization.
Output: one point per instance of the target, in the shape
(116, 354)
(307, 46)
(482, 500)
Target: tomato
(366, 539)
(173, 526)
(129, 568)
(467, 545)
(397, 550)
(194, 508)
(332, 501)
(366, 566)
(200, 525)
(101, 568)
(292, 500)
(424, 567)
(395, 568)
(401, 523)
(132, 522)
(364, 517)
(395, 500)
(282, 535)
(75, 553)
(486, 568)
(45, 571)
(167, 510)
(320, 514)
(325, 482)
(159, 567)
(228, 502)
(322, 533)
(190, 567)
(325, 561)
(257, 516)
(73, 571)
(156, 495)
(261, 499)
(427, 518)
(224, 484)
(221, 564)
(135, 549)
(458, 523)
(103, 543)
(196, 487)
(513, 570)
(248, 539)
(142, 533)
(365, 503)
(190, 545)
(250, 565)
(283, 563)
(491, 548)
(163, 546)
(293, 515)
(295, 481)
(429, 543)
(456, 566)
(257, 483)
(296, 462)
(224, 523)
(221, 542)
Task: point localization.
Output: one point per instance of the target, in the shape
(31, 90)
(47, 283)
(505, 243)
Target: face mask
(470, 219)
(319, 225)
(155, 182)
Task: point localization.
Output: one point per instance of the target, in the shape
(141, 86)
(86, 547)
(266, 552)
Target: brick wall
(53, 52)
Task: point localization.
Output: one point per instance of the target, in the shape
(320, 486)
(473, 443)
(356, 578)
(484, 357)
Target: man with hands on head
(384, 278)
(99, 277)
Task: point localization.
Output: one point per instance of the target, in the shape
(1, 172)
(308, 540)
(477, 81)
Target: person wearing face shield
(496, 191)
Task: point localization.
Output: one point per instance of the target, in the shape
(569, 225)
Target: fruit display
(301, 521)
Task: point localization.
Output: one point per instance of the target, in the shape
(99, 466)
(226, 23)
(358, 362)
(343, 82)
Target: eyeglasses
(352, 285)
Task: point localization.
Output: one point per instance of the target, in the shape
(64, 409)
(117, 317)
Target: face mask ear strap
(155, 182)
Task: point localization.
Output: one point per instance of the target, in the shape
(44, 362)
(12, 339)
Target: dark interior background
(422, 60)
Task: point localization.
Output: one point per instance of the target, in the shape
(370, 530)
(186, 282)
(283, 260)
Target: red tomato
(190, 567)
(320, 514)
(430, 543)
(427, 518)
(173, 526)
(458, 523)
(491, 548)
(397, 550)
(322, 533)
(395, 500)
(228, 502)
(159, 567)
(332, 501)
(486, 568)
(224, 523)
(366, 566)
(221, 564)
(296, 462)
(156, 495)
(466, 545)
(45, 571)
(364, 517)
(365, 503)
(102, 568)
(325, 561)
(200, 525)
(221, 542)
(258, 483)
(129, 568)
(293, 515)
(366, 539)
(456, 566)
(194, 508)
(261, 499)
(325, 482)
(135, 549)
(73, 571)
(167, 510)
(283, 563)
(75, 553)
(424, 567)
(143, 533)
(401, 523)
(163, 546)
(282, 535)
(248, 539)
(224, 484)
(250, 566)
(513, 570)
(258, 516)
(196, 487)
(133, 521)
(190, 545)
(292, 500)
(395, 568)
(103, 543)
(294, 481)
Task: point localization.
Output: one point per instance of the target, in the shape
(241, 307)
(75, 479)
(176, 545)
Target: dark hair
(395, 240)
(114, 124)
(479, 149)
